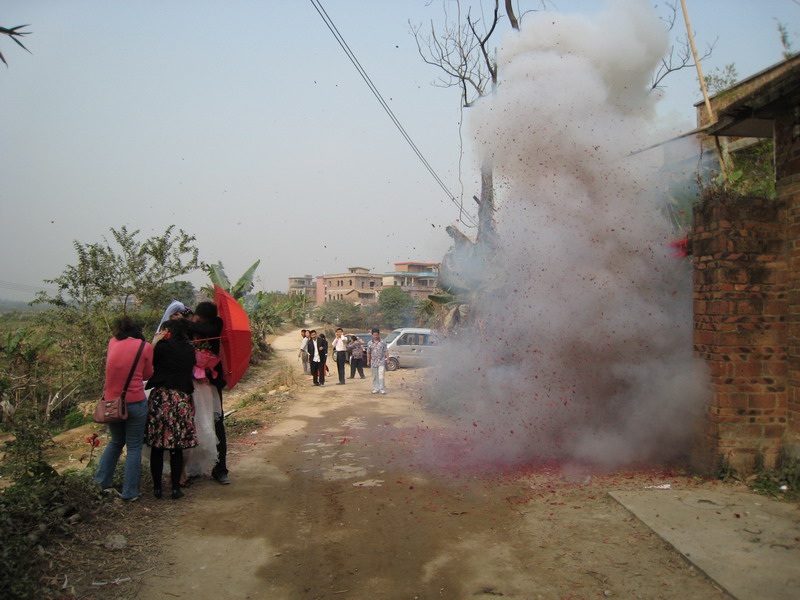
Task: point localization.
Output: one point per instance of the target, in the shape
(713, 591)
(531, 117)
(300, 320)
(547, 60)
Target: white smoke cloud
(583, 348)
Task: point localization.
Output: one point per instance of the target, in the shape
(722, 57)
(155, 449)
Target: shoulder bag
(116, 411)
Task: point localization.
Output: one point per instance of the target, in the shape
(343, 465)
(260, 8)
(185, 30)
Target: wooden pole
(704, 89)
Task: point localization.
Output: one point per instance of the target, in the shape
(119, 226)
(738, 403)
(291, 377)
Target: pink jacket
(118, 364)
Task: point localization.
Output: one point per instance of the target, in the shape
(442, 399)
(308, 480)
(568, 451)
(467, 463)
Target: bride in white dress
(207, 408)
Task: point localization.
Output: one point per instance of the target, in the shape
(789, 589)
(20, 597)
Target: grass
(782, 482)
(240, 426)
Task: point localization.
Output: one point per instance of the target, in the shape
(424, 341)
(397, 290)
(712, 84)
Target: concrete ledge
(748, 544)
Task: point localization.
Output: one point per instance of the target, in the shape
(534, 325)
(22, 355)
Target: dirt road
(332, 503)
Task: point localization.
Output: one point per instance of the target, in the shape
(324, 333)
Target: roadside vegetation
(395, 308)
(52, 361)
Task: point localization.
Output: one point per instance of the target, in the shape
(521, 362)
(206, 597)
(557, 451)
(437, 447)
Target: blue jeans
(378, 381)
(128, 433)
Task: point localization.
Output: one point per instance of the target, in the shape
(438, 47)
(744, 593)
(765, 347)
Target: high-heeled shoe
(177, 493)
(157, 493)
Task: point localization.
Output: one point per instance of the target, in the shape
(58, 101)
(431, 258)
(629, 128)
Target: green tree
(396, 306)
(340, 313)
(183, 291)
(108, 278)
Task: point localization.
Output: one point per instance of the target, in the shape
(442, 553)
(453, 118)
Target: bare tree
(463, 52)
(680, 54)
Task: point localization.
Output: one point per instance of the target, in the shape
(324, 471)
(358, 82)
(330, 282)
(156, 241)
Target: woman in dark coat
(170, 419)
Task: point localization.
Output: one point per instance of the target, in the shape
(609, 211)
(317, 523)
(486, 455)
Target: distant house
(419, 279)
(358, 286)
(303, 285)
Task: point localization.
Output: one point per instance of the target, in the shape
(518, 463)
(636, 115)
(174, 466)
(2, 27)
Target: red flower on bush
(93, 442)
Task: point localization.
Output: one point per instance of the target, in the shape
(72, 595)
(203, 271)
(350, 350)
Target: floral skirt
(170, 420)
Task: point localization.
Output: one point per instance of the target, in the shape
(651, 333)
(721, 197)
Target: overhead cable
(465, 217)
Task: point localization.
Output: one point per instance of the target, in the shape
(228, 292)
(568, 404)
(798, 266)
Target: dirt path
(330, 503)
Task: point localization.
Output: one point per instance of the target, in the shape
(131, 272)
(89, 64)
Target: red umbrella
(236, 343)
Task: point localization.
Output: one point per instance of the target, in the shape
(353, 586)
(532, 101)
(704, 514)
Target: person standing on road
(377, 354)
(340, 353)
(206, 320)
(356, 348)
(303, 354)
(170, 418)
(123, 349)
(317, 355)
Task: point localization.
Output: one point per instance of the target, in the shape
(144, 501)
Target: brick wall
(787, 168)
(741, 328)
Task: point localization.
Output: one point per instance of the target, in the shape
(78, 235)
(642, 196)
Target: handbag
(116, 410)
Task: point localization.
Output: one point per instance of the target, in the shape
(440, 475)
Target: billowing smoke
(582, 349)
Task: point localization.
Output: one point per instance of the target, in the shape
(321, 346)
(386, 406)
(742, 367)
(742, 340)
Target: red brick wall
(787, 168)
(740, 328)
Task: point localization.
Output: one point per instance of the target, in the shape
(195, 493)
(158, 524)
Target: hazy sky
(245, 124)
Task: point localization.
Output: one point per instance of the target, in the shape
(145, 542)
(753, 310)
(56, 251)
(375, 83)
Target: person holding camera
(340, 353)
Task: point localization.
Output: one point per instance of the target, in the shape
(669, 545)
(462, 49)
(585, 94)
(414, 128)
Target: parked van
(411, 347)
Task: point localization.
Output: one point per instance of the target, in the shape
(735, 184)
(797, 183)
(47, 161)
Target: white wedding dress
(202, 458)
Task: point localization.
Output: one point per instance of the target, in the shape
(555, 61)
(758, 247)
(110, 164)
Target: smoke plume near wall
(582, 349)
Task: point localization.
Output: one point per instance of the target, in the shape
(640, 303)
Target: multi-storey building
(303, 285)
(358, 286)
(419, 279)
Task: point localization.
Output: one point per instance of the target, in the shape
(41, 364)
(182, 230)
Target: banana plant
(14, 33)
(240, 289)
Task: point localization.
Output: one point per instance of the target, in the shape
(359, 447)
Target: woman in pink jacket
(122, 350)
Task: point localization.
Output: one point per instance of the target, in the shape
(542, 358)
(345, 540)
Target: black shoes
(222, 478)
(158, 493)
(177, 493)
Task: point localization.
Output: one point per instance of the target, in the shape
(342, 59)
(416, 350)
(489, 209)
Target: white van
(411, 347)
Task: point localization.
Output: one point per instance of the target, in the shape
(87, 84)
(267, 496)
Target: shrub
(75, 418)
(34, 513)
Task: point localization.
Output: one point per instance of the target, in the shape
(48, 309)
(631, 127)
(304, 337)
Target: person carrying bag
(116, 410)
(124, 384)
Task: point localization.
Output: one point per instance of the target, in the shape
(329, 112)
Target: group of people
(183, 413)
(314, 354)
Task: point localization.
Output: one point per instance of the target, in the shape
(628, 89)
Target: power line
(464, 216)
